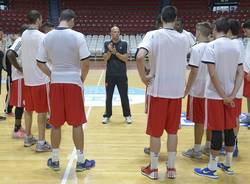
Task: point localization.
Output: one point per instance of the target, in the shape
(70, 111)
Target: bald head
(115, 33)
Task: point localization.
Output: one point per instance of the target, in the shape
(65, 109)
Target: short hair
(33, 15)
(67, 15)
(246, 25)
(23, 28)
(222, 25)
(234, 26)
(205, 28)
(47, 24)
(169, 14)
(158, 22)
(180, 20)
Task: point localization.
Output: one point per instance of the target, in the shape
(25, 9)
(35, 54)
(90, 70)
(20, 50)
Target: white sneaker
(128, 119)
(105, 120)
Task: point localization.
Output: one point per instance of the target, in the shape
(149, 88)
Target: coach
(116, 57)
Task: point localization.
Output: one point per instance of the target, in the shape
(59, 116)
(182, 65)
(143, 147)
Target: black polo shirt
(116, 67)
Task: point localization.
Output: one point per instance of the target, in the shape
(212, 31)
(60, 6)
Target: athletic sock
(80, 156)
(213, 161)
(228, 159)
(197, 147)
(55, 155)
(171, 159)
(154, 157)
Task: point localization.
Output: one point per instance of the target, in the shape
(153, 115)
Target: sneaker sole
(188, 156)
(28, 145)
(228, 173)
(41, 151)
(212, 177)
(152, 178)
(54, 169)
(80, 170)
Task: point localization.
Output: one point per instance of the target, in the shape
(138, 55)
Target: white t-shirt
(16, 47)
(168, 51)
(65, 49)
(198, 88)
(33, 76)
(191, 38)
(225, 54)
(247, 57)
(147, 63)
(239, 43)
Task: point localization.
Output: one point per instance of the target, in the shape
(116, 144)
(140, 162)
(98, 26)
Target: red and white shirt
(168, 51)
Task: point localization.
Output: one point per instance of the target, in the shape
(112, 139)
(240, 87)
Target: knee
(216, 142)
(229, 137)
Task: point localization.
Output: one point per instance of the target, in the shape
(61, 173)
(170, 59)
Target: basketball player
(17, 84)
(70, 65)
(233, 34)
(195, 88)
(36, 83)
(225, 69)
(47, 27)
(168, 49)
(179, 27)
(246, 90)
(158, 25)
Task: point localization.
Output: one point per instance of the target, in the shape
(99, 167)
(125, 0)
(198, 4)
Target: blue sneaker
(53, 165)
(88, 164)
(206, 172)
(225, 169)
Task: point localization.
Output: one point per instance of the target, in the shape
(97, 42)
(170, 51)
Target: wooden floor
(116, 147)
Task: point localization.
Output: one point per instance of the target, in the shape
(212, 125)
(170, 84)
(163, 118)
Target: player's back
(64, 47)
(227, 58)
(198, 88)
(169, 59)
(31, 39)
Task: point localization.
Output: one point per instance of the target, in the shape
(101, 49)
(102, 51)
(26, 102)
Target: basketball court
(117, 147)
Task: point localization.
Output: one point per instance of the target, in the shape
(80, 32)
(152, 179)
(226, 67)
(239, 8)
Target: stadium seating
(95, 17)
(195, 11)
(12, 19)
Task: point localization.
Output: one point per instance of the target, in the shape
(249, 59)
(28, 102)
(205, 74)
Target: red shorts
(219, 116)
(238, 103)
(66, 103)
(17, 93)
(36, 98)
(246, 88)
(196, 109)
(164, 114)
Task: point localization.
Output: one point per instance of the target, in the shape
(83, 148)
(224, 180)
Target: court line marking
(72, 156)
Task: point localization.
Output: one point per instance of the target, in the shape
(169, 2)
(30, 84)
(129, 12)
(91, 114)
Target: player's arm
(238, 80)
(45, 69)
(191, 78)
(140, 56)
(84, 69)
(12, 58)
(215, 80)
